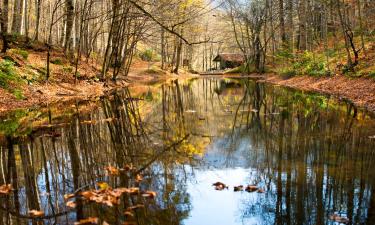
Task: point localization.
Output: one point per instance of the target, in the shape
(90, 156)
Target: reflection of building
(229, 60)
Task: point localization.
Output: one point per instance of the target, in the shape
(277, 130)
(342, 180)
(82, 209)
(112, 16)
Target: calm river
(313, 157)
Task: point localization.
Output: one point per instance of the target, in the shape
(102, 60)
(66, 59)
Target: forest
(156, 112)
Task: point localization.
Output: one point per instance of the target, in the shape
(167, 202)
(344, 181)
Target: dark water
(313, 156)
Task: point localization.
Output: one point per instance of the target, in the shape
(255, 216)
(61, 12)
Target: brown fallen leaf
(128, 167)
(36, 213)
(88, 221)
(337, 218)
(260, 190)
(149, 194)
(68, 196)
(71, 204)
(134, 207)
(251, 188)
(219, 186)
(238, 188)
(5, 189)
(129, 214)
(129, 223)
(113, 171)
(138, 178)
(87, 194)
(133, 191)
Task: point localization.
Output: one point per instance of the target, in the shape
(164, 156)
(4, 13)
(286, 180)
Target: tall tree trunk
(290, 26)
(69, 10)
(282, 22)
(302, 42)
(17, 16)
(4, 25)
(38, 4)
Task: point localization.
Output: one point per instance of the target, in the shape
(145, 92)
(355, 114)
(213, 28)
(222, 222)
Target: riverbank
(30, 90)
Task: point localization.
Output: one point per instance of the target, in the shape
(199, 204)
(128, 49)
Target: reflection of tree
(312, 158)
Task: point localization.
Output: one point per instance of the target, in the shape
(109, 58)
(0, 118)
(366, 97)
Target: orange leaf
(90, 220)
(149, 194)
(36, 213)
(113, 171)
(71, 204)
(68, 196)
(128, 214)
(5, 189)
(138, 178)
(135, 207)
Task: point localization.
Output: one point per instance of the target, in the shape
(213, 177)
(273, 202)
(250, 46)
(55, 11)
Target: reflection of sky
(227, 164)
(211, 207)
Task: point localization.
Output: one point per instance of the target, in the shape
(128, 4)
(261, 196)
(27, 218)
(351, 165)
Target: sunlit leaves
(112, 171)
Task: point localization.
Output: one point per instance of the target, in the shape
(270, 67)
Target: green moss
(18, 94)
(287, 73)
(7, 74)
(68, 69)
(371, 74)
(307, 63)
(57, 61)
(23, 53)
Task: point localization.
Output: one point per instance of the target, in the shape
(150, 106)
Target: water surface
(313, 156)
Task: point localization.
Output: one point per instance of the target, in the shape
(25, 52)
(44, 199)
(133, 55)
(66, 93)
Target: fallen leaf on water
(102, 185)
(238, 188)
(113, 171)
(68, 196)
(128, 213)
(133, 191)
(219, 186)
(129, 223)
(36, 213)
(138, 178)
(337, 218)
(87, 194)
(71, 204)
(128, 167)
(90, 220)
(149, 194)
(5, 189)
(134, 207)
(251, 188)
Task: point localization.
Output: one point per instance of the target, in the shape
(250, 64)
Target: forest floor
(30, 88)
(360, 91)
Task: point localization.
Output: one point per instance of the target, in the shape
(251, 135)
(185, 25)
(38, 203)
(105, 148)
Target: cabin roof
(230, 57)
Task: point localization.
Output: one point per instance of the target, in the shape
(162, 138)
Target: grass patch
(7, 74)
(155, 70)
(18, 94)
(23, 53)
(307, 63)
(241, 69)
(371, 74)
(57, 61)
(68, 69)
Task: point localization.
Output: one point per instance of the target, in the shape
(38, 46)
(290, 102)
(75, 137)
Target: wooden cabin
(229, 60)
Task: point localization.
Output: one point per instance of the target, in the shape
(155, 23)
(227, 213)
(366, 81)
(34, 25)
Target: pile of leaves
(107, 196)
